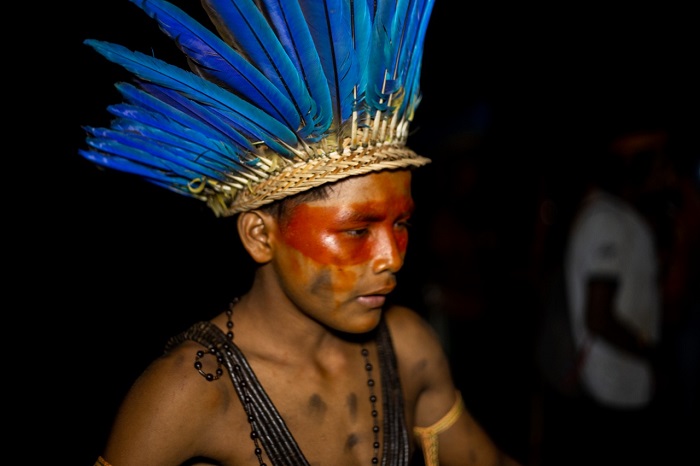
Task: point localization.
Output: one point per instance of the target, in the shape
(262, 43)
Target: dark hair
(619, 162)
(279, 208)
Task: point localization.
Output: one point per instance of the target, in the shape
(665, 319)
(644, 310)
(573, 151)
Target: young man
(310, 366)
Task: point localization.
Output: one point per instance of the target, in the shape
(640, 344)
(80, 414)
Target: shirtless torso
(328, 412)
(301, 328)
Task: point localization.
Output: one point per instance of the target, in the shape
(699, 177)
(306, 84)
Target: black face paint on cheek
(322, 285)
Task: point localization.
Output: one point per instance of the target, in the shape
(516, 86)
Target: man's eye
(357, 232)
(403, 224)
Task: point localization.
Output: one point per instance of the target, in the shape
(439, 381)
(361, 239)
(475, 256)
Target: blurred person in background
(613, 272)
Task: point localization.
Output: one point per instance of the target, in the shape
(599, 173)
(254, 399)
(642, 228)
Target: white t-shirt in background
(610, 238)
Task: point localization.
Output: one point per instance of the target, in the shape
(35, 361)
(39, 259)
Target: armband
(428, 436)
(101, 462)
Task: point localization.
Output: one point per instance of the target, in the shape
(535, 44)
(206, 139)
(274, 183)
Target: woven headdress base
(314, 172)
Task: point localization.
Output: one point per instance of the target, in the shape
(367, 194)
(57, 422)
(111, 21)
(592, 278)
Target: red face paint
(355, 224)
(336, 256)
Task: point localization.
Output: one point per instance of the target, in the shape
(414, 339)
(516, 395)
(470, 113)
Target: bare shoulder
(172, 413)
(405, 319)
(422, 361)
(170, 381)
(413, 337)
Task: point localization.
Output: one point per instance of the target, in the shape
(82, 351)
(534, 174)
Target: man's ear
(255, 228)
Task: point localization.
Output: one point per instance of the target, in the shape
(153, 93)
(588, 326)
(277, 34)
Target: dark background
(111, 266)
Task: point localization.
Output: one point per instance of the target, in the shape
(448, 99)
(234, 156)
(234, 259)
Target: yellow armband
(428, 436)
(101, 462)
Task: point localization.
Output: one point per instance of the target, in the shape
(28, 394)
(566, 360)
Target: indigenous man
(295, 120)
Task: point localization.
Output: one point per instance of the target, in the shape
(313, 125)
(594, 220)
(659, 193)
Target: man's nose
(388, 255)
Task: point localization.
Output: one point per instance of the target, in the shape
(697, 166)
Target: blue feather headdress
(286, 96)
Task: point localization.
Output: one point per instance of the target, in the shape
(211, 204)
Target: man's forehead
(369, 194)
(375, 182)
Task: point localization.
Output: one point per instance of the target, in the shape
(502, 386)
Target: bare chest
(320, 417)
(331, 418)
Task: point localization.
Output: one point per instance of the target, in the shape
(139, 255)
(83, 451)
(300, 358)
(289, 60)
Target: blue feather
(386, 41)
(214, 59)
(411, 57)
(294, 35)
(220, 117)
(123, 164)
(194, 87)
(214, 128)
(200, 145)
(283, 73)
(130, 160)
(361, 37)
(241, 24)
(132, 118)
(208, 124)
(201, 151)
(163, 178)
(159, 156)
(330, 25)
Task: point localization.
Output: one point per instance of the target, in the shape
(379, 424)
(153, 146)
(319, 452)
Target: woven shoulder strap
(396, 443)
(273, 433)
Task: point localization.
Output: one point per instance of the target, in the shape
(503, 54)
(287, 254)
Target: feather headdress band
(289, 95)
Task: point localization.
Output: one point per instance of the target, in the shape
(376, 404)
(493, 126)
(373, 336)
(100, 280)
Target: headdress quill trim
(285, 96)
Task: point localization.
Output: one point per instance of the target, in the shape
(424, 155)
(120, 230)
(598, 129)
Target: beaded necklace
(251, 418)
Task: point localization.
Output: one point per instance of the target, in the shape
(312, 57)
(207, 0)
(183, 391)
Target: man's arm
(601, 319)
(458, 439)
(450, 429)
